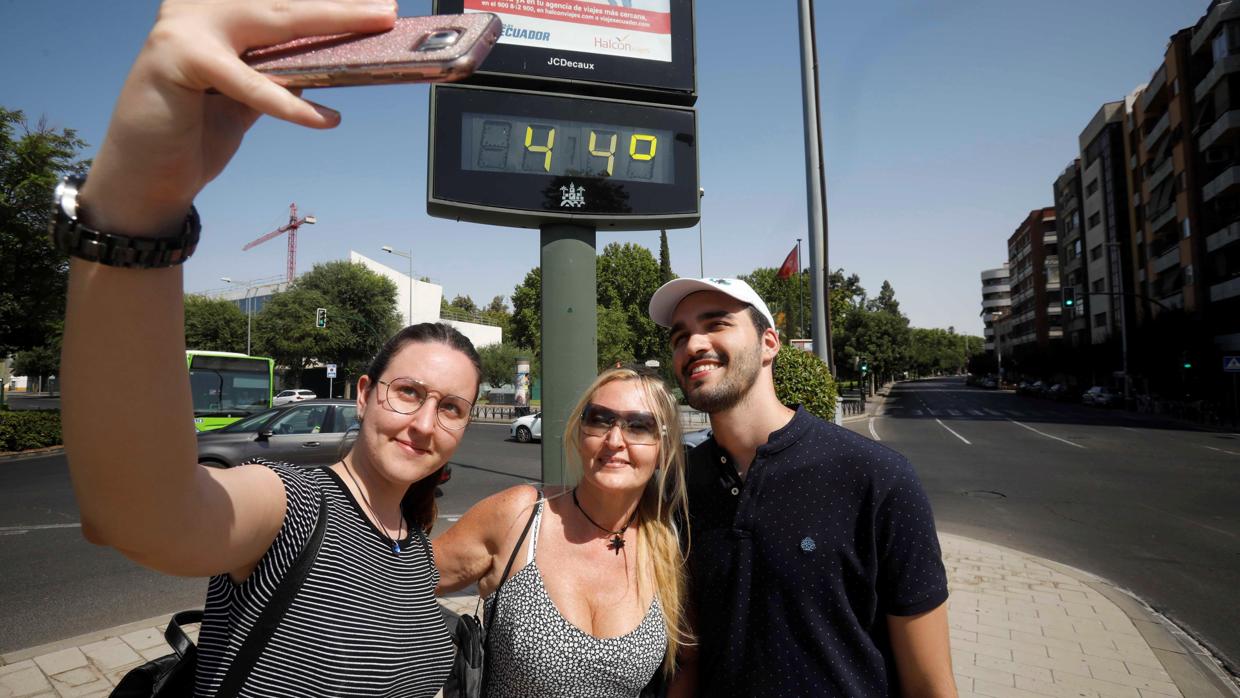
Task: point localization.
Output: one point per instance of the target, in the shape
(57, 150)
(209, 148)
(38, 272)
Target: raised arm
(477, 547)
(134, 466)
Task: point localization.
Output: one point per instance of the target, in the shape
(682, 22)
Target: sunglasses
(635, 427)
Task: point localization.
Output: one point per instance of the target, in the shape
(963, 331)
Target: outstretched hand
(169, 136)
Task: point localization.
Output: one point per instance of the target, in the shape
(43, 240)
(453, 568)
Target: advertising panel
(626, 49)
(631, 29)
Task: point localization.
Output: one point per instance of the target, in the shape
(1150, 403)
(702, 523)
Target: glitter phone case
(436, 48)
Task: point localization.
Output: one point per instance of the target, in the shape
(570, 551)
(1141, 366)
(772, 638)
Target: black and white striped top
(365, 622)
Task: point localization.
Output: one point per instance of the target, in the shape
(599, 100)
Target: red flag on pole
(790, 265)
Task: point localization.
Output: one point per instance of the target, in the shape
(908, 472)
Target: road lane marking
(1049, 436)
(19, 530)
(954, 413)
(916, 413)
(1185, 519)
(872, 432)
(993, 413)
(1220, 450)
(976, 413)
(958, 436)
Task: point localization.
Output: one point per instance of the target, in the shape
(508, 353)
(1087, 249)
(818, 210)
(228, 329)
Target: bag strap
(175, 633)
(270, 617)
(508, 568)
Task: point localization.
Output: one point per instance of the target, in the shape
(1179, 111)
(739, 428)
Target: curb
(30, 453)
(1192, 667)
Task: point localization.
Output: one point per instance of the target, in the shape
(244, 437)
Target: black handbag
(172, 675)
(468, 675)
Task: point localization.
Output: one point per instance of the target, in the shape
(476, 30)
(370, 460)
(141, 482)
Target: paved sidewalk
(1020, 627)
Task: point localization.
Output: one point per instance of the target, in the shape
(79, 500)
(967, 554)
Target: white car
(526, 429)
(287, 396)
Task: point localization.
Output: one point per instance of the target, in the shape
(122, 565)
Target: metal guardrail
(496, 413)
(849, 406)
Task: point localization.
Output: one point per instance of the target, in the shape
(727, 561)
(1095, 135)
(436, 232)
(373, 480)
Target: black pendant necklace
(617, 537)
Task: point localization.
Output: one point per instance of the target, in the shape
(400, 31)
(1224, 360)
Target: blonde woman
(593, 605)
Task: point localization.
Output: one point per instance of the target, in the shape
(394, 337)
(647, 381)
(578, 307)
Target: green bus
(228, 386)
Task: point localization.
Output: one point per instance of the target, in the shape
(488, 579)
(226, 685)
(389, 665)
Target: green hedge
(802, 378)
(26, 429)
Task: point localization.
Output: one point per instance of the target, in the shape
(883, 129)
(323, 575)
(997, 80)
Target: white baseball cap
(664, 301)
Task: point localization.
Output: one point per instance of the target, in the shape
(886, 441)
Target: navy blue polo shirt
(794, 569)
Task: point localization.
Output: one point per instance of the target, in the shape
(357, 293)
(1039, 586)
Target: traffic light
(1069, 297)
(865, 366)
(1185, 361)
(320, 318)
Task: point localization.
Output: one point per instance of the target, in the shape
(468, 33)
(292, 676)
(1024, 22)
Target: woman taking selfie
(365, 620)
(592, 606)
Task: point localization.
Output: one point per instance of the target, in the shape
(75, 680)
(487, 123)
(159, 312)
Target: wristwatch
(75, 239)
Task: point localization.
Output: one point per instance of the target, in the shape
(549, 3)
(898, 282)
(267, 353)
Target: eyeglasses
(406, 396)
(638, 428)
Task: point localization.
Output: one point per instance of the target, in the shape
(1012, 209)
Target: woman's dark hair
(418, 504)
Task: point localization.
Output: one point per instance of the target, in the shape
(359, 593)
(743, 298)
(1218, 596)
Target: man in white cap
(814, 565)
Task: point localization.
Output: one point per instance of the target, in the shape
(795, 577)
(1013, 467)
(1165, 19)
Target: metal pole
(409, 318)
(800, 294)
(815, 189)
(249, 320)
(569, 335)
(701, 254)
(1117, 268)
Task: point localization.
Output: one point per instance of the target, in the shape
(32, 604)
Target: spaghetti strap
(529, 558)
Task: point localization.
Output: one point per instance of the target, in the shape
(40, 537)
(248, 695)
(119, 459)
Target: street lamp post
(409, 256)
(250, 291)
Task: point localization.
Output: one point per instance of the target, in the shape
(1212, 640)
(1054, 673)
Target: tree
(628, 275)
(33, 275)
(527, 312)
(615, 337)
(361, 316)
(464, 303)
(39, 362)
(497, 305)
(786, 298)
(499, 362)
(886, 301)
(801, 378)
(665, 260)
(214, 324)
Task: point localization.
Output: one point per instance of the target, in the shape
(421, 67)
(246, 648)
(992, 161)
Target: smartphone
(436, 48)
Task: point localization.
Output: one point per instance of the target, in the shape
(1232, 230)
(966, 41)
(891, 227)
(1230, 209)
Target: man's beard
(742, 374)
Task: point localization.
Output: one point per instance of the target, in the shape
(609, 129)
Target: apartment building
(1159, 143)
(1106, 230)
(1033, 262)
(1069, 228)
(996, 301)
(1214, 143)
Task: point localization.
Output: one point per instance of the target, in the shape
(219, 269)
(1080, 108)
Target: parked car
(1058, 391)
(692, 438)
(1100, 397)
(285, 397)
(311, 432)
(526, 429)
(989, 383)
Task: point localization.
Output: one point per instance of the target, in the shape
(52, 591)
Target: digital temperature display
(502, 143)
(523, 158)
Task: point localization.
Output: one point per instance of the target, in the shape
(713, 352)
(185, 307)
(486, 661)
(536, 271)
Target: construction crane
(291, 228)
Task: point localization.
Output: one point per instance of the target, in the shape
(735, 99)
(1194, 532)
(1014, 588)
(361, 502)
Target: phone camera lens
(439, 40)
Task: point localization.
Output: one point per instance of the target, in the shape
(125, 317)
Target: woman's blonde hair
(662, 503)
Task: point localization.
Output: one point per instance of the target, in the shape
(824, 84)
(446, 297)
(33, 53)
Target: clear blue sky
(945, 122)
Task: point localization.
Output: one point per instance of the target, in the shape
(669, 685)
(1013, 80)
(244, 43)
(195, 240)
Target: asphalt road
(54, 585)
(1150, 505)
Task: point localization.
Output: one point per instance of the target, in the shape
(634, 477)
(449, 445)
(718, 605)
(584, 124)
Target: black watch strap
(75, 239)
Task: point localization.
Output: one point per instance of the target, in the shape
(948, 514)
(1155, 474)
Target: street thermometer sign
(580, 118)
(521, 158)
